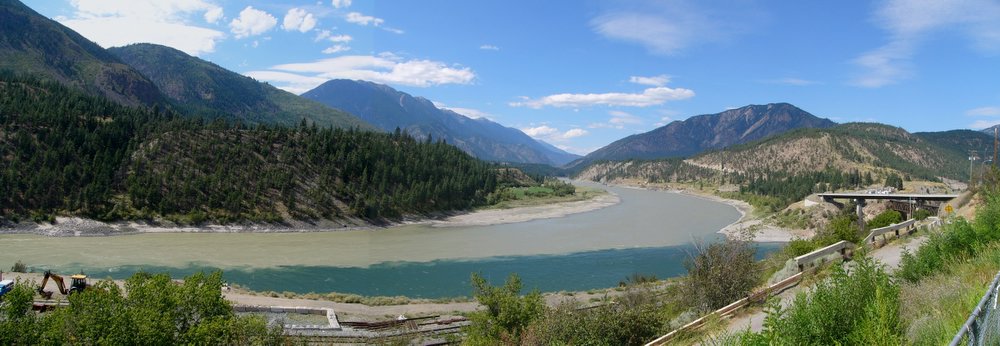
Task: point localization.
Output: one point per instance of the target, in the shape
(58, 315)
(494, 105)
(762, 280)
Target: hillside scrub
(721, 273)
(858, 306)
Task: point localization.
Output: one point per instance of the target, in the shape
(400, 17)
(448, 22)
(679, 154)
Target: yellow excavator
(78, 284)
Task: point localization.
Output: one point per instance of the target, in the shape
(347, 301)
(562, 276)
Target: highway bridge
(827, 197)
(905, 203)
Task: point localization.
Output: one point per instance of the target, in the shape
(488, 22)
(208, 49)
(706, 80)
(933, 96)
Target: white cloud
(252, 22)
(467, 112)
(623, 118)
(291, 82)
(540, 132)
(663, 121)
(573, 133)
(213, 15)
(649, 97)
(658, 81)
(669, 27)
(909, 21)
(385, 68)
(341, 3)
(489, 47)
(984, 112)
(982, 124)
(360, 19)
(337, 48)
(394, 30)
(551, 134)
(113, 23)
(299, 19)
(618, 120)
(322, 35)
(341, 38)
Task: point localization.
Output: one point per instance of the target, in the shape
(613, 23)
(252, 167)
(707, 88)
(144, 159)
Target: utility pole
(973, 156)
(996, 145)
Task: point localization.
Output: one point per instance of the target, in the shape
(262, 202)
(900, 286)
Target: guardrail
(841, 247)
(896, 227)
(984, 315)
(730, 309)
(804, 262)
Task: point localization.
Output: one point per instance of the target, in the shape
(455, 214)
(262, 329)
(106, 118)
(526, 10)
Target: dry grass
(935, 308)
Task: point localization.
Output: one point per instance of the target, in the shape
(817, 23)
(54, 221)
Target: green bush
(507, 313)
(957, 239)
(722, 273)
(886, 218)
(921, 214)
(155, 311)
(798, 247)
(19, 267)
(857, 307)
(632, 319)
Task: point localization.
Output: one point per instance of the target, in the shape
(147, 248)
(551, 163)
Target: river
(649, 232)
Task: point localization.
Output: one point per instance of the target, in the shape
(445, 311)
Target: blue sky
(581, 74)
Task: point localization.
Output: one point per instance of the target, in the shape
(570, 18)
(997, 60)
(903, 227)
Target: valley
(479, 173)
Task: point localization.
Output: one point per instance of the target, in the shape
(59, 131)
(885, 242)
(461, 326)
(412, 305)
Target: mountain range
(709, 131)
(389, 109)
(863, 147)
(199, 87)
(35, 45)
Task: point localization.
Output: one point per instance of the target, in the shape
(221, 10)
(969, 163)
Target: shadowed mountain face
(35, 45)
(202, 88)
(706, 132)
(388, 109)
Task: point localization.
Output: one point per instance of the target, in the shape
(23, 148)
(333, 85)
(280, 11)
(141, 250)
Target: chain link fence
(983, 325)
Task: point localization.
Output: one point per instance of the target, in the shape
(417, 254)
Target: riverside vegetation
(151, 309)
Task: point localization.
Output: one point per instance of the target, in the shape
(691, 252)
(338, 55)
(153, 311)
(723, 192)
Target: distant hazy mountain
(709, 131)
(388, 109)
(33, 44)
(203, 88)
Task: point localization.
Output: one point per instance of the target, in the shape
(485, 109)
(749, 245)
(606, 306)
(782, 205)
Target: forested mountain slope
(68, 153)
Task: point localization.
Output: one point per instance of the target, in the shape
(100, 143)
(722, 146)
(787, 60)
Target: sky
(581, 74)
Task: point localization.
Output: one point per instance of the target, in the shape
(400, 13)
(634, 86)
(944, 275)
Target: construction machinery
(78, 284)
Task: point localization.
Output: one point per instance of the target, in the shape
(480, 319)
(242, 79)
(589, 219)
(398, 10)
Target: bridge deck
(925, 197)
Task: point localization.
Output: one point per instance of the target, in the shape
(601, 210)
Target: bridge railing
(732, 308)
(907, 225)
(983, 325)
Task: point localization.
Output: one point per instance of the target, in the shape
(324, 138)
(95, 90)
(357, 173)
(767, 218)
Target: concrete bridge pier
(861, 214)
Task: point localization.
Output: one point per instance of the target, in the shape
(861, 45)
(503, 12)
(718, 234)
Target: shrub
(507, 313)
(886, 218)
(632, 319)
(155, 310)
(19, 267)
(859, 307)
(798, 247)
(721, 273)
(921, 214)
